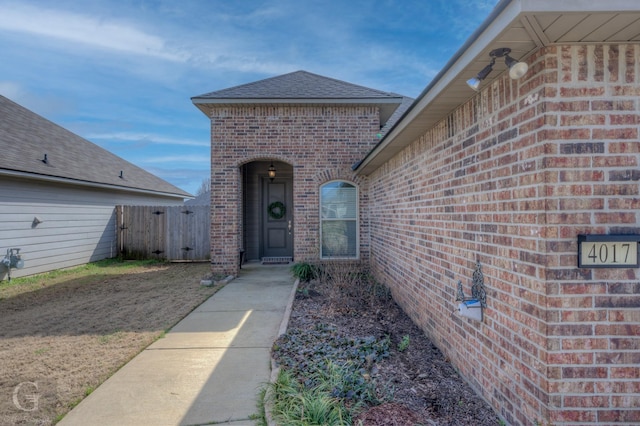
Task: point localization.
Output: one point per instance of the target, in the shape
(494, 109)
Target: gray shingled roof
(302, 87)
(203, 199)
(26, 137)
(299, 85)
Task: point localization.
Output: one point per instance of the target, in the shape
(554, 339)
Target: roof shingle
(26, 138)
(302, 87)
(299, 85)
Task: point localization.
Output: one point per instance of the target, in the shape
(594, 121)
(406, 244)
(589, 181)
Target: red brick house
(310, 130)
(507, 178)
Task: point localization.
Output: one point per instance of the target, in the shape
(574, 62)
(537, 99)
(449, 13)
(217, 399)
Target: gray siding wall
(78, 223)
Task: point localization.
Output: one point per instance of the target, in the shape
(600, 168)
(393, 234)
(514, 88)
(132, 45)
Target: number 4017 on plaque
(608, 251)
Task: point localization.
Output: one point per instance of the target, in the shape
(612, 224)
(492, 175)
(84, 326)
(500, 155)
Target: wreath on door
(276, 210)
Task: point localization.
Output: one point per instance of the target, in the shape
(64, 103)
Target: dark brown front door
(277, 218)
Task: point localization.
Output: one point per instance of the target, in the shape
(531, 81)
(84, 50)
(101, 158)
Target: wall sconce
(472, 307)
(272, 172)
(516, 69)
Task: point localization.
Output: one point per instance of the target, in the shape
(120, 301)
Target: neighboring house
(58, 193)
(509, 177)
(203, 199)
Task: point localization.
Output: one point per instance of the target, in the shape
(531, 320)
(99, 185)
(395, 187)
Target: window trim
(356, 220)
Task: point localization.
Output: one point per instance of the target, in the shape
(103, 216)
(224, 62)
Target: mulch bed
(427, 390)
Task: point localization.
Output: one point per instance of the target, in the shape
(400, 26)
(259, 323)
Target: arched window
(339, 220)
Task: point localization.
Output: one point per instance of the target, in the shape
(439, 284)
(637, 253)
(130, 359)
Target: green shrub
(304, 271)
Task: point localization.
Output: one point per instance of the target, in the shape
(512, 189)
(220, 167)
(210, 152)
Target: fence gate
(165, 232)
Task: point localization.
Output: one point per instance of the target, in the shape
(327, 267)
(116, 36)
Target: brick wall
(321, 143)
(510, 179)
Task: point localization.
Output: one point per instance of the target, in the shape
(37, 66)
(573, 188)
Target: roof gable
(302, 87)
(299, 85)
(37, 147)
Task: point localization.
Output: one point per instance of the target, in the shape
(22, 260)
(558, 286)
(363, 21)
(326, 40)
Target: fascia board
(54, 179)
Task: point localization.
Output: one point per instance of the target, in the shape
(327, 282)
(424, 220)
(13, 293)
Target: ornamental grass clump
(305, 271)
(293, 404)
(331, 366)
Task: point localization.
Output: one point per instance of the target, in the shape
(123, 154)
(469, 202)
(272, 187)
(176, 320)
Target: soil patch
(421, 385)
(59, 342)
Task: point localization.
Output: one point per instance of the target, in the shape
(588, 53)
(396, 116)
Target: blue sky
(121, 73)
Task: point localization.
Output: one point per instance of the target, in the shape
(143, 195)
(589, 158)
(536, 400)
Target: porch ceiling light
(272, 172)
(516, 69)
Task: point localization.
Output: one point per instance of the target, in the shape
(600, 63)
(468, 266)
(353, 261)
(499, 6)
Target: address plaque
(608, 251)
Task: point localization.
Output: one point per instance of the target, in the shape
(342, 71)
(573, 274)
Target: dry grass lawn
(63, 334)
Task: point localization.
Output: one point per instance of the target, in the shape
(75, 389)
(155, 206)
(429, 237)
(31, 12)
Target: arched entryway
(267, 231)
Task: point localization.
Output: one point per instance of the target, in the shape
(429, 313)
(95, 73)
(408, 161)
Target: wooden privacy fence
(176, 233)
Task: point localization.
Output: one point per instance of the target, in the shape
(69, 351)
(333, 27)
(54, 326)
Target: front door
(277, 217)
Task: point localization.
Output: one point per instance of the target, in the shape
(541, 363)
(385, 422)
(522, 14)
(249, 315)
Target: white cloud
(179, 159)
(85, 30)
(219, 47)
(11, 90)
(146, 138)
(249, 63)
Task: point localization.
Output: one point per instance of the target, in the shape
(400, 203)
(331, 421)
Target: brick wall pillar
(592, 187)
(225, 216)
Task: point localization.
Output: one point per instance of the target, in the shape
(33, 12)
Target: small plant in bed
(305, 271)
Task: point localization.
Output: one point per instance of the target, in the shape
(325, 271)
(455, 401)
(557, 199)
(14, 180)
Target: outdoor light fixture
(272, 172)
(474, 82)
(516, 69)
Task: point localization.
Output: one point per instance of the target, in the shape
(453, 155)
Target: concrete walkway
(208, 369)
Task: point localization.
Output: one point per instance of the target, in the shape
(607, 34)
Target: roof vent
(45, 160)
(121, 174)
